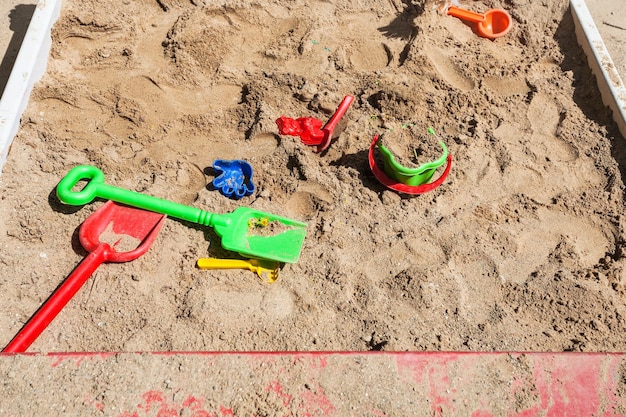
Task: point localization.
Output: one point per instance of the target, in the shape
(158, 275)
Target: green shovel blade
(260, 235)
(251, 233)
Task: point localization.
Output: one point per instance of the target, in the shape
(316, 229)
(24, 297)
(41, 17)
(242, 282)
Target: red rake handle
(336, 117)
(53, 306)
(333, 122)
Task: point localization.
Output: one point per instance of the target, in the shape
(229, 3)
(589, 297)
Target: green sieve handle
(96, 187)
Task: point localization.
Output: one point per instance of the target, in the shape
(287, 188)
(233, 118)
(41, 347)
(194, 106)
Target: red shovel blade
(129, 231)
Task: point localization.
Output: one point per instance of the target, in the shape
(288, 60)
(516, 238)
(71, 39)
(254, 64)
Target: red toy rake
(310, 129)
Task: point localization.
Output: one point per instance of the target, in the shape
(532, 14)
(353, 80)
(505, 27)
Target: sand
(521, 247)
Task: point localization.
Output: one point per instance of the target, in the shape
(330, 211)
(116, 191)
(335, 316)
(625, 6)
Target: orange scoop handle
(465, 14)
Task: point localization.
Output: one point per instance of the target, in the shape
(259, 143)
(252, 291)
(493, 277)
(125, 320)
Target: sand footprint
(269, 38)
(543, 114)
(232, 145)
(531, 149)
(545, 117)
(370, 55)
(477, 282)
(261, 145)
(304, 203)
(277, 303)
(421, 252)
(506, 86)
(190, 180)
(448, 70)
(147, 94)
(203, 100)
(273, 302)
(370, 52)
(536, 238)
(224, 95)
(412, 277)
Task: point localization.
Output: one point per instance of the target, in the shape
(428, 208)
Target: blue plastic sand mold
(234, 178)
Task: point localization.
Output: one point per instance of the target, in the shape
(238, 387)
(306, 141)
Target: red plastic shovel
(113, 226)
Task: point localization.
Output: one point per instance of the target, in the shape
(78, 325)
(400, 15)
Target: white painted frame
(609, 82)
(30, 65)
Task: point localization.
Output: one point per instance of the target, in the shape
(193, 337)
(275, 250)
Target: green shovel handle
(96, 187)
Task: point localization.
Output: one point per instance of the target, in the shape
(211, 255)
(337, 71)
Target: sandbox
(519, 252)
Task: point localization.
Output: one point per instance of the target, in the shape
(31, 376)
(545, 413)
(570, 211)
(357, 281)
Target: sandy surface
(520, 249)
(372, 384)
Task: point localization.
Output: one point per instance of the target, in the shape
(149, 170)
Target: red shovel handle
(53, 306)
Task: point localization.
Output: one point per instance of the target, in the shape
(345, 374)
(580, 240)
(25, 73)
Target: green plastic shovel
(247, 231)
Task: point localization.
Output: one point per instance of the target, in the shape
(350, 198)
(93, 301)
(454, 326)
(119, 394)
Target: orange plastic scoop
(492, 24)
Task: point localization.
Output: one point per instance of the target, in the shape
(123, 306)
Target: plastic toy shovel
(108, 229)
(492, 24)
(247, 231)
